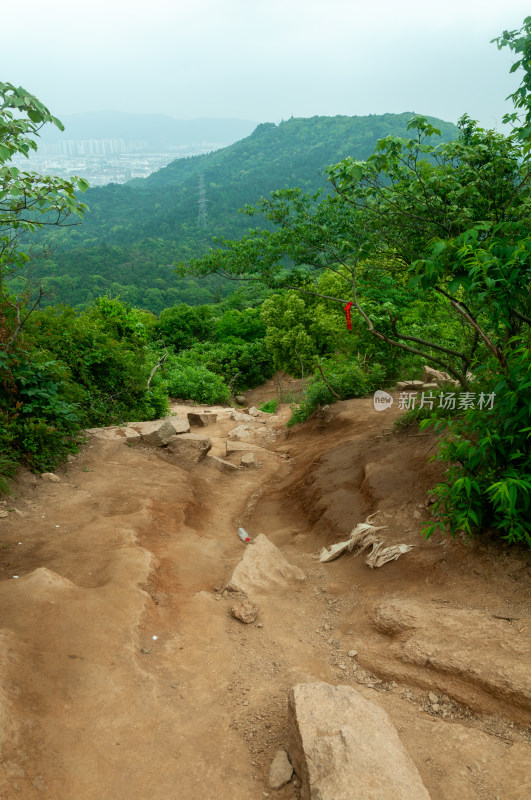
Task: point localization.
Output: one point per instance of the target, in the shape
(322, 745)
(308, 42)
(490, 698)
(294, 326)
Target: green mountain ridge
(134, 232)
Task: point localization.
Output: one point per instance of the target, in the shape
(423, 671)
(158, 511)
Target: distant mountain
(154, 130)
(134, 231)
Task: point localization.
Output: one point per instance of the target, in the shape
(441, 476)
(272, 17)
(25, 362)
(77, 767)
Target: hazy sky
(263, 60)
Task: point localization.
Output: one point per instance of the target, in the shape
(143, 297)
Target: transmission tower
(202, 216)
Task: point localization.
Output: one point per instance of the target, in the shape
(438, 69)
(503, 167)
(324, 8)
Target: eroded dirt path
(124, 676)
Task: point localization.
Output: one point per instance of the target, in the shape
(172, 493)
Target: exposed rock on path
(344, 747)
(263, 568)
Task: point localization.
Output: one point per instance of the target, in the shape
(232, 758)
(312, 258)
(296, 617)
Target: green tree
(449, 223)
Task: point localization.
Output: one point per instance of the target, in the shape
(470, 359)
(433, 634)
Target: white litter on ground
(362, 537)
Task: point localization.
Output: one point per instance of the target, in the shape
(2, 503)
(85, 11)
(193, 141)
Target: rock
(433, 697)
(431, 375)
(51, 477)
(255, 412)
(248, 460)
(343, 747)
(243, 608)
(70, 458)
(412, 386)
(188, 449)
(428, 387)
(3, 513)
(245, 432)
(352, 653)
(241, 447)
(180, 425)
(221, 465)
(241, 399)
(201, 419)
(263, 568)
(239, 416)
(280, 771)
(156, 433)
(490, 662)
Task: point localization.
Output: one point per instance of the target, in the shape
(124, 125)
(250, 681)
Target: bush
(345, 377)
(196, 382)
(270, 407)
(488, 483)
(39, 417)
(242, 365)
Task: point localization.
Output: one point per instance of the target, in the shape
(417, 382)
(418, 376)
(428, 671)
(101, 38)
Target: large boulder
(156, 433)
(220, 464)
(200, 419)
(180, 425)
(343, 747)
(442, 379)
(262, 568)
(188, 449)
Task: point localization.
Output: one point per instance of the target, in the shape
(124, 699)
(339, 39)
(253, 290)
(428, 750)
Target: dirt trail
(124, 676)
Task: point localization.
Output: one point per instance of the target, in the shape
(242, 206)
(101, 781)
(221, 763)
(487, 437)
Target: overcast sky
(263, 60)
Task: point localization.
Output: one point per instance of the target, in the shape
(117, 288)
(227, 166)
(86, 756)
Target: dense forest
(416, 251)
(132, 233)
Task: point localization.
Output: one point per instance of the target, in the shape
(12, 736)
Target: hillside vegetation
(132, 233)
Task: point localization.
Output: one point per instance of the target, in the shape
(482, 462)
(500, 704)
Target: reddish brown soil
(128, 547)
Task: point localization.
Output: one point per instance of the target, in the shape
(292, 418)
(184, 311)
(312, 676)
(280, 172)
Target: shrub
(270, 407)
(488, 483)
(196, 382)
(345, 377)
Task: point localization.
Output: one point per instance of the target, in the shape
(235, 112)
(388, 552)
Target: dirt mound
(125, 674)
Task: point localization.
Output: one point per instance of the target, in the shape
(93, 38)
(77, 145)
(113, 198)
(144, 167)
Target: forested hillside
(133, 233)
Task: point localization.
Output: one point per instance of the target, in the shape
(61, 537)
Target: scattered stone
(221, 465)
(201, 419)
(262, 568)
(243, 608)
(145, 651)
(156, 433)
(51, 477)
(342, 666)
(241, 399)
(188, 449)
(280, 771)
(433, 697)
(255, 412)
(484, 653)
(249, 461)
(70, 458)
(352, 653)
(343, 747)
(3, 513)
(435, 707)
(442, 379)
(428, 387)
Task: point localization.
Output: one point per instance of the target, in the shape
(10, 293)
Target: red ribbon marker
(347, 315)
